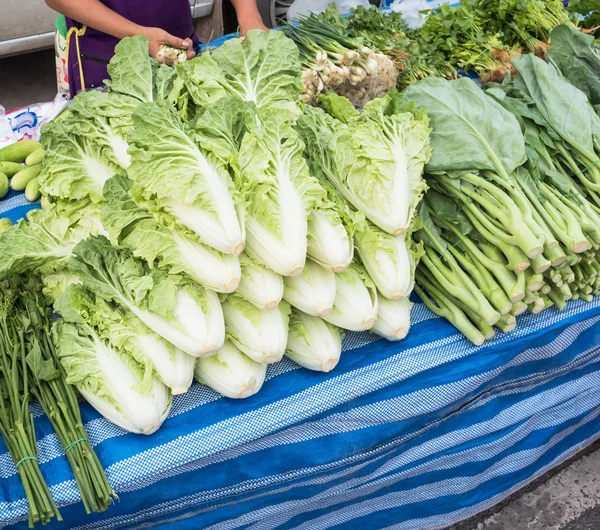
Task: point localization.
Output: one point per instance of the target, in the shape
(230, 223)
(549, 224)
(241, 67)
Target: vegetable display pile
(202, 221)
(207, 220)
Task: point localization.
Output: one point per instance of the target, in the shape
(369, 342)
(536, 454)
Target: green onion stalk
(16, 420)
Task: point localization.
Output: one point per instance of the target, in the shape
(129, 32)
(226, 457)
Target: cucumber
(21, 179)
(5, 224)
(10, 168)
(35, 158)
(3, 185)
(19, 151)
(32, 190)
(45, 202)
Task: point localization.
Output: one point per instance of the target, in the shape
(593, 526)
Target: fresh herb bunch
(522, 23)
(463, 37)
(29, 369)
(16, 421)
(59, 399)
(590, 11)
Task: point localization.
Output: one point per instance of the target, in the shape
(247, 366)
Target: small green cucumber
(32, 190)
(35, 158)
(21, 179)
(45, 202)
(3, 185)
(19, 151)
(5, 224)
(10, 168)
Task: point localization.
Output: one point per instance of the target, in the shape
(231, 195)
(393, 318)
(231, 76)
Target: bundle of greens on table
(30, 368)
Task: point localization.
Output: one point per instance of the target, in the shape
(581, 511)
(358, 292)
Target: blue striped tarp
(409, 435)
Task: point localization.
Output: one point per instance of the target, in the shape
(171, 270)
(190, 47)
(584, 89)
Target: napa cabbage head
(393, 318)
(277, 190)
(184, 175)
(356, 301)
(44, 242)
(114, 383)
(313, 291)
(259, 333)
(391, 261)
(180, 311)
(375, 161)
(78, 160)
(128, 334)
(259, 285)
(231, 373)
(172, 248)
(313, 343)
(261, 68)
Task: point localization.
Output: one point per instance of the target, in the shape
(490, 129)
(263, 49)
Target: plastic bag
(410, 11)
(6, 133)
(306, 7)
(26, 122)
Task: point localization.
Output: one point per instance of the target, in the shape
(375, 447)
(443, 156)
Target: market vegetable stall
(125, 256)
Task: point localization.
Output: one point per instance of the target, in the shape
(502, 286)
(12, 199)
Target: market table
(410, 435)
(415, 434)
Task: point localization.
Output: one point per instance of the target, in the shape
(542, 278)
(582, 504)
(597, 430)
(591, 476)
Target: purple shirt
(97, 48)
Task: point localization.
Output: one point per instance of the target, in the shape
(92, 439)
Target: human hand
(158, 37)
(248, 23)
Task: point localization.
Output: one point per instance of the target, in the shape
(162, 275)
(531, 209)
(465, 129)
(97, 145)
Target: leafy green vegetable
(112, 382)
(124, 332)
(171, 248)
(231, 373)
(277, 189)
(313, 343)
(191, 185)
(259, 333)
(576, 56)
(181, 312)
(375, 161)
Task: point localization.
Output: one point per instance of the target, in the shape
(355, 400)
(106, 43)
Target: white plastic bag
(306, 7)
(6, 133)
(410, 11)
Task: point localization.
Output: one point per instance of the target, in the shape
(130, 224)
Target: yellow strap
(78, 33)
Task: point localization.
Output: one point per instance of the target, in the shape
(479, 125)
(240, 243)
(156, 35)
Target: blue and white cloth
(410, 435)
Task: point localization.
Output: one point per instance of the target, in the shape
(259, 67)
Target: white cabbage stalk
(313, 291)
(355, 306)
(231, 373)
(388, 261)
(259, 285)
(201, 334)
(224, 233)
(286, 254)
(113, 383)
(174, 367)
(313, 343)
(328, 242)
(137, 413)
(219, 272)
(261, 334)
(393, 318)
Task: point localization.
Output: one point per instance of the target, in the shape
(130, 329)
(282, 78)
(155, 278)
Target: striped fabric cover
(411, 435)
(416, 434)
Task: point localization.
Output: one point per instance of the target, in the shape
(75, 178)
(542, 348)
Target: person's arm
(95, 14)
(248, 15)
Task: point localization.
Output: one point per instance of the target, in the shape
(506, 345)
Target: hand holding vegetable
(158, 38)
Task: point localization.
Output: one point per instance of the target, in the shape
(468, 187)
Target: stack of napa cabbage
(202, 220)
